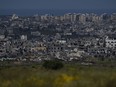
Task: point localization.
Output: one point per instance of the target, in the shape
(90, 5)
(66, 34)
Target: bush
(53, 64)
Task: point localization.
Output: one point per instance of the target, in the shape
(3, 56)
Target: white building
(23, 37)
(14, 16)
(110, 43)
(2, 37)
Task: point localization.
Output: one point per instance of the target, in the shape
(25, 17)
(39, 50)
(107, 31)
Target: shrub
(53, 64)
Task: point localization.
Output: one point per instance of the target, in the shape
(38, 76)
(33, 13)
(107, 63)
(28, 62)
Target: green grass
(71, 75)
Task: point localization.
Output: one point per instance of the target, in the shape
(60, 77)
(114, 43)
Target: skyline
(57, 4)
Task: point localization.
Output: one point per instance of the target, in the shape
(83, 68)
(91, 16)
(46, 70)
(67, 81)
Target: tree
(53, 64)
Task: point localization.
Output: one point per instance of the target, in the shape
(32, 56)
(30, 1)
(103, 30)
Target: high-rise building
(113, 16)
(82, 18)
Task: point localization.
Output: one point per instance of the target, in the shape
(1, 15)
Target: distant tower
(67, 17)
(82, 18)
(113, 16)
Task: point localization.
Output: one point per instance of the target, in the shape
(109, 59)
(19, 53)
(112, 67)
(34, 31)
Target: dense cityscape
(77, 36)
(57, 43)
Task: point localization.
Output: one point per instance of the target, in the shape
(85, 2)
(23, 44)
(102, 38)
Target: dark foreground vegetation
(71, 75)
(52, 64)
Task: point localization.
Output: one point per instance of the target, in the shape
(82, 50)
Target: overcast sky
(57, 4)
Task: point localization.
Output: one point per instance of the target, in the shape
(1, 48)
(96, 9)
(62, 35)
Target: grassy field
(71, 75)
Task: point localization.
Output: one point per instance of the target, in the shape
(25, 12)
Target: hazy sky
(57, 4)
